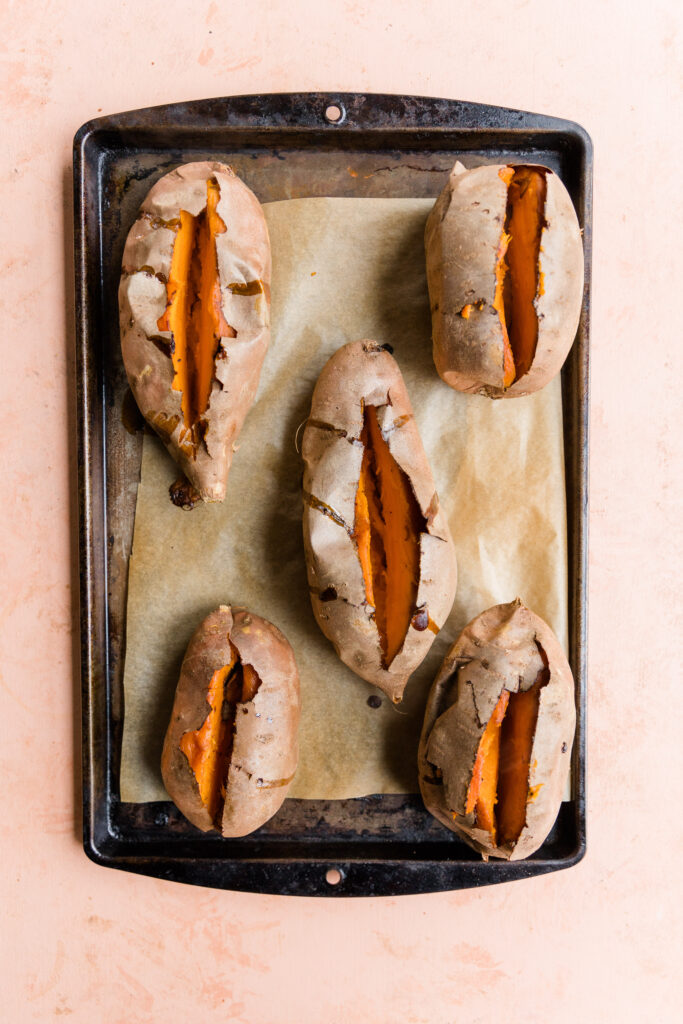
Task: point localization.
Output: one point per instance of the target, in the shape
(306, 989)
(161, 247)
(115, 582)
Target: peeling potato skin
(496, 650)
(265, 746)
(363, 372)
(243, 252)
(462, 237)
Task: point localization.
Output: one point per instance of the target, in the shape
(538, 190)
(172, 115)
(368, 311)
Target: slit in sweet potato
(208, 749)
(518, 276)
(499, 788)
(516, 741)
(194, 314)
(481, 795)
(387, 527)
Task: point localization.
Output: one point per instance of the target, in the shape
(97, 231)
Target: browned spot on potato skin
(183, 494)
(326, 510)
(158, 222)
(371, 348)
(250, 288)
(164, 425)
(469, 307)
(399, 422)
(188, 440)
(328, 594)
(329, 427)
(420, 619)
(146, 269)
(274, 784)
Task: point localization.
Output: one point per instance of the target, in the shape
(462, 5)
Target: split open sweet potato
(505, 277)
(231, 747)
(381, 561)
(498, 731)
(194, 305)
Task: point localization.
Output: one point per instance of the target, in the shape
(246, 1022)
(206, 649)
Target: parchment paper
(343, 269)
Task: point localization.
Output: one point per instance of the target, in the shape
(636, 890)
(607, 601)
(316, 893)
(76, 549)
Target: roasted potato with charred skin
(194, 304)
(231, 747)
(505, 278)
(498, 732)
(381, 561)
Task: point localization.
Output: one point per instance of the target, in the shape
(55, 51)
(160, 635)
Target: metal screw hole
(334, 113)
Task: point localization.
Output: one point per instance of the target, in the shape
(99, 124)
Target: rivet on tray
(335, 113)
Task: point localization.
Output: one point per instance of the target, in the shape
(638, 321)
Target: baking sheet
(343, 269)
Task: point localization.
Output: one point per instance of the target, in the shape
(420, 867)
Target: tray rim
(305, 876)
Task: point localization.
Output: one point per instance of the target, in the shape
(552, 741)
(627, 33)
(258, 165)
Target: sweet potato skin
(244, 270)
(265, 746)
(497, 650)
(462, 239)
(362, 373)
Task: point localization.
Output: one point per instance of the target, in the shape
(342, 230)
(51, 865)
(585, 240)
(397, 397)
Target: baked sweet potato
(194, 304)
(505, 278)
(498, 732)
(231, 747)
(381, 561)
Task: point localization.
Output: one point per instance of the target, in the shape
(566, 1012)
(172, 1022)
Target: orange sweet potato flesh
(499, 788)
(206, 748)
(481, 795)
(209, 748)
(387, 527)
(517, 268)
(509, 371)
(516, 741)
(194, 314)
(526, 203)
(365, 495)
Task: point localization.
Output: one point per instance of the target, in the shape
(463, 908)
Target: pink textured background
(597, 943)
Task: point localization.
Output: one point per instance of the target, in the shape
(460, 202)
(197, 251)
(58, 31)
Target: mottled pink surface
(597, 943)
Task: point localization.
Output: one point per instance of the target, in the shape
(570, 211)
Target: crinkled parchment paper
(342, 269)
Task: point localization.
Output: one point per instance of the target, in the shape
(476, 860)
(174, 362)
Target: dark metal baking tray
(284, 146)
